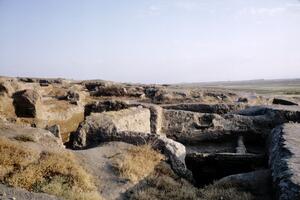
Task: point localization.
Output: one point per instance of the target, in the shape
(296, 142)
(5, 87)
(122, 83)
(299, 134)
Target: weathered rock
(191, 127)
(218, 95)
(186, 121)
(27, 103)
(71, 96)
(117, 90)
(253, 111)
(55, 130)
(151, 92)
(110, 90)
(104, 106)
(259, 125)
(27, 80)
(160, 95)
(284, 161)
(176, 153)
(50, 81)
(277, 113)
(205, 108)
(284, 102)
(44, 83)
(157, 117)
(242, 100)
(186, 126)
(36, 135)
(241, 148)
(41, 80)
(6, 88)
(92, 85)
(133, 91)
(258, 182)
(22, 194)
(132, 119)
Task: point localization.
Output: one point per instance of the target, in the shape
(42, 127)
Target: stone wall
(133, 119)
(206, 108)
(284, 161)
(91, 131)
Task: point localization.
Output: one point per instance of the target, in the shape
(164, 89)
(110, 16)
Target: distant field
(280, 87)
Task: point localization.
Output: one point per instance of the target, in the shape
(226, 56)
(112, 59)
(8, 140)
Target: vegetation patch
(164, 184)
(137, 163)
(224, 192)
(49, 172)
(14, 157)
(24, 138)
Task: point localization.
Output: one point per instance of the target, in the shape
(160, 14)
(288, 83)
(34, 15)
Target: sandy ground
(98, 161)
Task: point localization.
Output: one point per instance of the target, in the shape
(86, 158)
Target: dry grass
(14, 157)
(24, 138)
(7, 108)
(137, 163)
(50, 172)
(164, 184)
(224, 192)
(157, 181)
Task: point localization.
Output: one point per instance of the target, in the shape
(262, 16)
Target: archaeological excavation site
(95, 139)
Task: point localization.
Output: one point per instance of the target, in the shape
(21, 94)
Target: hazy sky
(150, 40)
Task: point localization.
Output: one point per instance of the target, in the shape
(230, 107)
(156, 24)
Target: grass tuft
(137, 163)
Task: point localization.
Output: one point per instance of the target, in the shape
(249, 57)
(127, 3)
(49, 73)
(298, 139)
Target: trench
(245, 155)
